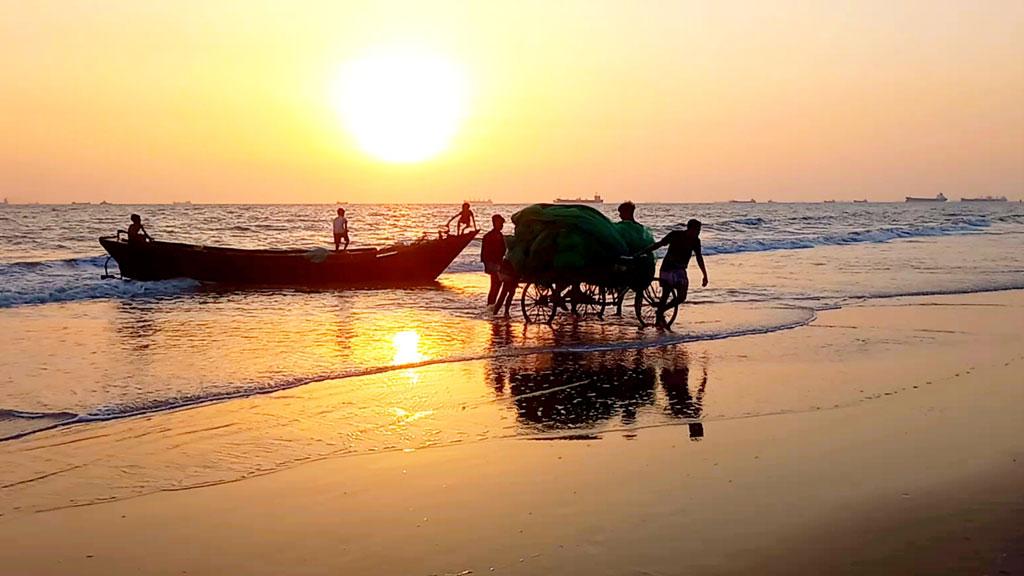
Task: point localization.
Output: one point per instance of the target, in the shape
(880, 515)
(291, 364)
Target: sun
(401, 105)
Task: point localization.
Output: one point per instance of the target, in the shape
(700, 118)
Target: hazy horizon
(161, 102)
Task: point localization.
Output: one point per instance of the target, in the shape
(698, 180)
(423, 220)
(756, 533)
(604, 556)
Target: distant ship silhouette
(985, 199)
(595, 200)
(938, 198)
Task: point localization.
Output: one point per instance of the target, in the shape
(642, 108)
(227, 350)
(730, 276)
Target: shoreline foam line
(190, 403)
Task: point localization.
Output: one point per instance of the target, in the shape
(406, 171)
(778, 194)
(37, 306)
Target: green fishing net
(576, 243)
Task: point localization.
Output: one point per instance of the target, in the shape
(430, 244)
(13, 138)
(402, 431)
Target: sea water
(122, 388)
(77, 347)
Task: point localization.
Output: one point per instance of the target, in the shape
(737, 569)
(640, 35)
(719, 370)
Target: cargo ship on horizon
(595, 200)
(937, 198)
(985, 199)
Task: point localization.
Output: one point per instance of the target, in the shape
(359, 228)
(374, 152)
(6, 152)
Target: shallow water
(79, 349)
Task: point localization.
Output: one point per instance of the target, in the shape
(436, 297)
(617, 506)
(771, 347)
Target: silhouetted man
(682, 244)
(340, 230)
(466, 219)
(136, 232)
(492, 252)
(627, 210)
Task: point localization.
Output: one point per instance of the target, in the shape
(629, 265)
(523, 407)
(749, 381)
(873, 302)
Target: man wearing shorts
(682, 244)
(340, 230)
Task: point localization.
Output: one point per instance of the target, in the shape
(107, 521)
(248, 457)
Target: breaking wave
(956, 227)
(48, 281)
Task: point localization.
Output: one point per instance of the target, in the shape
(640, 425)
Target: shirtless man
(682, 244)
(466, 219)
(136, 232)
(340, 230)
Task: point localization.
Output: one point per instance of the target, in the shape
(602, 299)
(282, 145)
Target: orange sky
(130, 101)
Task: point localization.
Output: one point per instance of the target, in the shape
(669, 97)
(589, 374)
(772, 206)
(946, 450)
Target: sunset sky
(130, 101)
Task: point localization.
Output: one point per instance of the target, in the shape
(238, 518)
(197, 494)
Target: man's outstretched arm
(653, 247)
(703, 269)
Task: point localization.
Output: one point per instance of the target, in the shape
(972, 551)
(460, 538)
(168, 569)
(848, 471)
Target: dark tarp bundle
(572, 243)
(637, 237)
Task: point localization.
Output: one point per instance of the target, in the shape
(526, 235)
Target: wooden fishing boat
(416, 263)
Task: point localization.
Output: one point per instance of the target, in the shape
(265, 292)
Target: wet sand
(885, 437)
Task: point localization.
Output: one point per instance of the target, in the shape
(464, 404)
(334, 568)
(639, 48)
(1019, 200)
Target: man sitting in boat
(340, 230)
(681, 246)
(466, 219)
(136, 232)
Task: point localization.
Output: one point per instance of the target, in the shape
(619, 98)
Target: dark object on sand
(419, 262)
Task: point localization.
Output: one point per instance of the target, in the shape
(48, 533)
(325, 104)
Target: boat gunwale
(288, 252)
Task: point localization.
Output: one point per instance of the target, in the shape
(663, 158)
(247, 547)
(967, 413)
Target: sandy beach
(764, 260)
(918, 470)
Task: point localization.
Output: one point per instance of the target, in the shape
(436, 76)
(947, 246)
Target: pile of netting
(577, 243)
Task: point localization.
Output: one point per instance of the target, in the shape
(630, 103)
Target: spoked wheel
(588, 300)
(538, 304)
(618, 297)
(648, 301)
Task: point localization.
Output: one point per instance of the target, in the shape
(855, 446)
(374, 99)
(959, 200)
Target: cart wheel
(588, 301)
(538, 304)
(647, 302)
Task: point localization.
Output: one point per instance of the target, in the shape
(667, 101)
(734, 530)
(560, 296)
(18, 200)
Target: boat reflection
(595, 391)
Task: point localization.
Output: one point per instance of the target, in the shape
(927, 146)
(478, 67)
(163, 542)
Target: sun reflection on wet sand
(407, 348)
(546, 395)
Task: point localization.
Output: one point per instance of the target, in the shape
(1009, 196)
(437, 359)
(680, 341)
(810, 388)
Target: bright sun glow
(401, 105)
(407, 348)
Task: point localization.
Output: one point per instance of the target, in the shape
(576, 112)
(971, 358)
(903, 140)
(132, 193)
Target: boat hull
(416, 263)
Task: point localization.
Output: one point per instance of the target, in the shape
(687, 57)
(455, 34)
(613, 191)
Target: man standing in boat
(466, 219)
(340, 230)
(492, 252)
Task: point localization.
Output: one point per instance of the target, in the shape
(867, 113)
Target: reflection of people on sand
(675, 381)
(580, 391)
(572, 390)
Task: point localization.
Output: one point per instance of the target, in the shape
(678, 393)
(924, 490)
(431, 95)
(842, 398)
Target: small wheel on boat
(538, 304)
(647, 302)
(588, 300)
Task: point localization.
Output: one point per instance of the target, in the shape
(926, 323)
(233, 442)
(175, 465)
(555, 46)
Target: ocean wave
(743, 222)
(16, 423)
(956, 227)
(74, 279)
